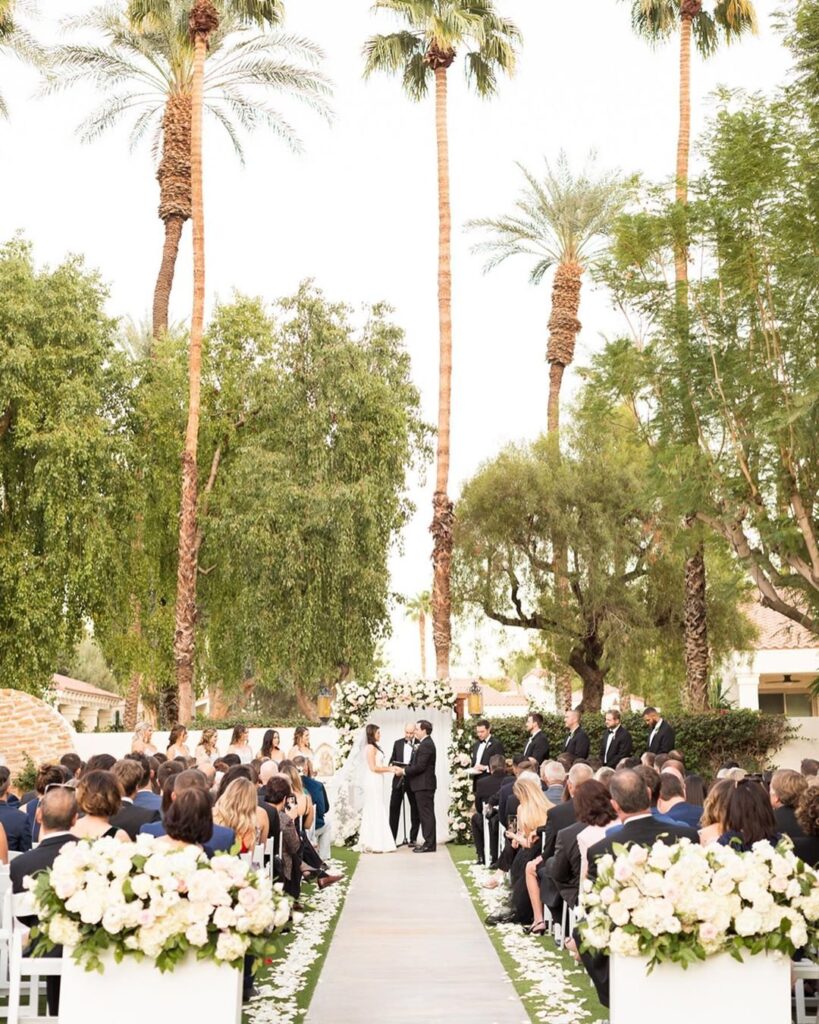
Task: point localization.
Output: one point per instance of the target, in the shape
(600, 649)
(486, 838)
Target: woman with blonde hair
(238, 808)
(141, 742)
(304, 805)
(206, 751)
(715, 811)
(532, 811)
(301, 744)
(240, 744)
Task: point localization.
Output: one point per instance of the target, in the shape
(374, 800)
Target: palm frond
(417, 77)
(391, 52)
(230, 128)
(736, 18)
(109, 113)
(655, 20)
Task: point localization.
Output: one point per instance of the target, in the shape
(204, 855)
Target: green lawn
(579, 988)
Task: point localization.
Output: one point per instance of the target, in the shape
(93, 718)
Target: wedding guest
(99, 799)
(141, 742)
(553, 775)
(675, 767)
(695, 789)
(649, 760)
(487, 786)
(806, 846)
(714, 811)
(562, 815)
(809, 768)
(4, 846)
(164, 772)
(73, 764)
(616, 743)
(318, 794)
(301, 744)
(786, 788)
(206, 749)
(14, 822)
(177, 743)
(100, 763)
(222, 839)
(672, 802)
(303, 802)
(147, 794)
(537, 746)
(268, 770)
(270, 746)
(238, 808)
(231, 760)
(661, 735)
(47, 775)
(278, 795)
(603, 775)
(239, 745)
(576, 744)
(130, 817)
(749, 817)
(189, 820)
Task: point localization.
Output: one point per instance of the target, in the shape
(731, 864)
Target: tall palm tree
(417, 609)
(656, 21)
(423, 53)
(147, 73)
(15, 40)
(559, 221)
(203, 21)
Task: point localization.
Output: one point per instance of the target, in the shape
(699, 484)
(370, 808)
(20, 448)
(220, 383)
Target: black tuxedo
(787, 824)
(560, 881)
(131, 818)
(621, 746)
(492, 747)
(663, 739)
(537, 747)
(577, 744)
(807, 848)
(399, 789)
(487, 787)
(558, 817)
(421, 781)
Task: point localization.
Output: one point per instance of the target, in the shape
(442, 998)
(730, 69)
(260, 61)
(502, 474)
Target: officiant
(401, 755)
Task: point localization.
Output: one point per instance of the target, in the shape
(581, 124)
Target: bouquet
(686, 902)
(146, 899)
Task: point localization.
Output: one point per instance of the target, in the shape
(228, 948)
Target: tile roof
(67, 684)
(776, 632)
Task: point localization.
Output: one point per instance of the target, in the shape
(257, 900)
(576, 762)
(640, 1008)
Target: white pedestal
(135, 992)
(720, 987)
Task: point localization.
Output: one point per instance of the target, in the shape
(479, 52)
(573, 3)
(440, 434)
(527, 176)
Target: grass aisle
(553, 988)
(286, 982)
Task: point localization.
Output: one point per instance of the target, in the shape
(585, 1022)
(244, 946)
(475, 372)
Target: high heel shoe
(538, 928)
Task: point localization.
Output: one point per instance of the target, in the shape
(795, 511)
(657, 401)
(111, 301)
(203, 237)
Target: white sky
(358, 210)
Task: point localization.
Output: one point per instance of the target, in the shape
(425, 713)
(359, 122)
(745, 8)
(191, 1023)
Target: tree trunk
(556, 371)
(135, 682)
(422, 630)
(443, 509)
(164, 280)
(175, 201)
(624, 698)
(696, 632)
(563, 689)
(306, 704)
(586, 666)
(203, 20)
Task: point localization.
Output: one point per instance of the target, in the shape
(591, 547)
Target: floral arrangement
(146, 899)
(685, 902)
(460, 784)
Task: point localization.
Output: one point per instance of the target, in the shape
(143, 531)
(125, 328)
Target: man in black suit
(661, 735)
(420, 775)
(616, 743)
(56, 815)
(487, 787)
(630, 800)
(577, 742)
(786, 788)
(562, 815)
(484, 747)
(129, 817)
(537, 746)
(16, 825)
(401, 756)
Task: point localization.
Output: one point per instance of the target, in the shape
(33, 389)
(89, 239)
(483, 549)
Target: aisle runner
(408, 947)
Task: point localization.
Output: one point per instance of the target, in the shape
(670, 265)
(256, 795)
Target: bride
(375, 835)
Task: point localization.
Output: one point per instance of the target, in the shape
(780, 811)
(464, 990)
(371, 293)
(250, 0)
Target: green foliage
(656, 20)
(252, 720)
(24, 780)
(87, 662)
(706, 740)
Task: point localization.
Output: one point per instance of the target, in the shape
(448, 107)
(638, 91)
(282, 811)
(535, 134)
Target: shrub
(253, 720)
(24, 780)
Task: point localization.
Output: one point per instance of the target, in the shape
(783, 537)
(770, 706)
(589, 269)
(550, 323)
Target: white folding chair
(807, 1007)
(25, 972)
(565, 929)
(5, 933)
(487, 853)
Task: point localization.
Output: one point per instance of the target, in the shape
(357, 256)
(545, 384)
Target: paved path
(409, 947)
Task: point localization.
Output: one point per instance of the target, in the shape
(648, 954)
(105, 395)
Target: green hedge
(251, 721)
(707, 740)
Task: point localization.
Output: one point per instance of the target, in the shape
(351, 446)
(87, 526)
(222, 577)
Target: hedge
(252, 720)
(706, 740)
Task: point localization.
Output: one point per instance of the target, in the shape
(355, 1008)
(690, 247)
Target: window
(795, 705)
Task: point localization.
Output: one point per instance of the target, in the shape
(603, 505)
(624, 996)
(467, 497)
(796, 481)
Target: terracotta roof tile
(776, 632)
(66, 683)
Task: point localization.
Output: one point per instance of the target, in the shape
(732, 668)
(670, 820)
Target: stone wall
(30, 726)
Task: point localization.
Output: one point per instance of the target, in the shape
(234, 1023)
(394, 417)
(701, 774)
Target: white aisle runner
(409, 947)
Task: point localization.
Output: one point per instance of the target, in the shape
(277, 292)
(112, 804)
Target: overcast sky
(357, 210)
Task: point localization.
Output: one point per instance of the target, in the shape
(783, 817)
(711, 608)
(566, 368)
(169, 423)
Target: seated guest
(695, 789)
(56, 816)
(562, 815)
(73, 764)
(4, 847)
(47, 775)
(164, 771)
(749, 817)
(279, 795)
(809, 768)
(238, 808)
(648, 759)
(146, 794)
(676, 767)
(189, 819)
(266, 773)
(141, 742)
(604, 774)
(99, 799)
(672, 802)
(554, 776)
(318, 794)
(786, 789)
(99, 763)
(130, 818)
(178, 743)
(15, 823)
(806, 846)
(487, 786)
(222, 840)
(713, 811)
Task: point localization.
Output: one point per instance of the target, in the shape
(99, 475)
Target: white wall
(807, 745)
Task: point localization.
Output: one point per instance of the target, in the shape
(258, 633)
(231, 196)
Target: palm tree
(147, 73)
(422, 53)
(203, 21)
(16, 41)
(417, 609)
(560, 222)
(656, 20)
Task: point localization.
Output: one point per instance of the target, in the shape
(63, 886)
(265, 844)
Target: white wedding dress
(375, 835)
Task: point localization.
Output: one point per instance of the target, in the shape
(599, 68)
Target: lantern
(475, 699)
(324, 705)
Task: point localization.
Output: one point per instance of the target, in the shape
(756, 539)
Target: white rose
(623, 871)
(630, 897)
(224, 918)
(638, 855)
(63, 931)
(607, 895)
(197, 935)
(624, 944)
(230, 946)
(748, 922)
(618, 913)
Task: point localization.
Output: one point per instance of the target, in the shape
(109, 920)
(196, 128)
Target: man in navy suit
(222, 840)
(661, 735)
(671, 802)
(145, 796)
(14, 822)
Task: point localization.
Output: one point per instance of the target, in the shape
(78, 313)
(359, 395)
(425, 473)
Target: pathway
(409, 947)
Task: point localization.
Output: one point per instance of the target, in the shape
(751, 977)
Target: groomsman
(537, 746)
(661, 737)
(577, 742)
(402, 755)
(483, 748)
(616, 743)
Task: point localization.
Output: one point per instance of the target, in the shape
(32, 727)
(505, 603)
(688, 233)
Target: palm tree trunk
(174, 177)
(422, 630)
(443, 509)
(556, 371)
(204, 19)
(164, 280)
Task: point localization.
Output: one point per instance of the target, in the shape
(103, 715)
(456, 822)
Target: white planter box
(718, 988)
(136, 992)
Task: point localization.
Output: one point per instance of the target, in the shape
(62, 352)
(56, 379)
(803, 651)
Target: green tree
(16, 40)
(422, 54)
(417, 609)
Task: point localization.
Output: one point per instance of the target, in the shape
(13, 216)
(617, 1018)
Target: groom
(420, 775)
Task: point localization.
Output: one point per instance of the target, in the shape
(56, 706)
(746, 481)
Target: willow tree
(727, 21)
(203, 21)
(423, 53)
